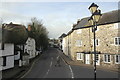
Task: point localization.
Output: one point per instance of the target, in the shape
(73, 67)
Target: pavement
(71, 62)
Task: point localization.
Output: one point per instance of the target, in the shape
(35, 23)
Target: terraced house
(81, 44)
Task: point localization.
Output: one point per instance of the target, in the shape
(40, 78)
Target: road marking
(62, 57)
(71, 71)
(30, 68)
(52, 58)
(47, 72)
(68, 65)
(50, 64)
(48, 69)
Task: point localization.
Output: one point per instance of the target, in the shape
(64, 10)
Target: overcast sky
(58, 17)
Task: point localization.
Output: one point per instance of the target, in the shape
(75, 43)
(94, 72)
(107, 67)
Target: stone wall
(105, 34)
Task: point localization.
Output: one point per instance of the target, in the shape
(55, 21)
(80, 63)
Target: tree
(39, 33)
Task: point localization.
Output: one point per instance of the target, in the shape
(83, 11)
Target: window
(79, 56)
(4, 60)
(78, 43)
(117, 59)
(117, 25)
(79, 31)
(117, 41)
(96, 42)
(97, 57)
(107, 58)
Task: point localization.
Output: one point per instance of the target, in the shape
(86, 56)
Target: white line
(71, 71)
(52, 58)
(47, 72)
(50, 64)
(48, 69)
(30, 68)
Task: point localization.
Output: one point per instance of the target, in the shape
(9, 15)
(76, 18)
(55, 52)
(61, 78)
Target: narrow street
(44, 67)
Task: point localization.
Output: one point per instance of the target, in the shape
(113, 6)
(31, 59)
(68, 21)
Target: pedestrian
(58, 62)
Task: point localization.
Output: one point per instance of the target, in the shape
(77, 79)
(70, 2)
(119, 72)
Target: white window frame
(107, 58)
(117, 25)
(79, 56)
(78, 43)
(97, 29)
(117, 41)
(79, 31)
(95, 42)
(118, 59)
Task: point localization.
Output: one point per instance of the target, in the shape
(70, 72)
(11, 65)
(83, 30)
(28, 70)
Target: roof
(63, 35)
(13, 33)
(82, 23)
(70, 32)
(106, 18)
(110, 17)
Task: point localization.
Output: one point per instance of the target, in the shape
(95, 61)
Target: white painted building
(30, 47)
(6, 56)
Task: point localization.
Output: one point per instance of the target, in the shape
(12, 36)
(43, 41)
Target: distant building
(30, 47)
(60, 40)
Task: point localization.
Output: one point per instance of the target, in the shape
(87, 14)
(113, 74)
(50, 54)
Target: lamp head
(96, 15)
(93, 7)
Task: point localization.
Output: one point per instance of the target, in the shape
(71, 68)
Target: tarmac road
(44, 67)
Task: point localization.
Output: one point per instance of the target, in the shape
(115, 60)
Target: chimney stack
(78, 21)
(29, 28)
(74, 25)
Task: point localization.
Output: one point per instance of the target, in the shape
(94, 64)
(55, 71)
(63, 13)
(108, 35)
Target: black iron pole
(94, 29)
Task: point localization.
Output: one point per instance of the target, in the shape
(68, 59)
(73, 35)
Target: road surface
(44, 67)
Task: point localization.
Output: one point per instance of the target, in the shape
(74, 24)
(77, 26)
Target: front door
(97, 59)
(87, 61)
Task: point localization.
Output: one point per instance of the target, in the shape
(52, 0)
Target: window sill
(117, 63)
(107, 62)
(79, 59)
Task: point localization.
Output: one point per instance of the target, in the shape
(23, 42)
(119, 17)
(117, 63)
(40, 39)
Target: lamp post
(93, 20)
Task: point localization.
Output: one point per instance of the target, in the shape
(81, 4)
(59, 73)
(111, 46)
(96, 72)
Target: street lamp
(93, 20)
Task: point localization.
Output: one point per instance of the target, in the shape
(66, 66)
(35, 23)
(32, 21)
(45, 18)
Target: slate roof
(63, 35)
(70, 32)
(82, 23)
(110, 17)
(106, 18)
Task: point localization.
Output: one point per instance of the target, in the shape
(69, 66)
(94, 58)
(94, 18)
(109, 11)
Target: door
(97, 59)
(87, 61)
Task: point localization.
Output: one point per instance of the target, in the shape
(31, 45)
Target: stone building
(81, 46)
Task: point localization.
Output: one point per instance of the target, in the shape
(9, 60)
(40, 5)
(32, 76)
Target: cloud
(8, 17)
(57, 19)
